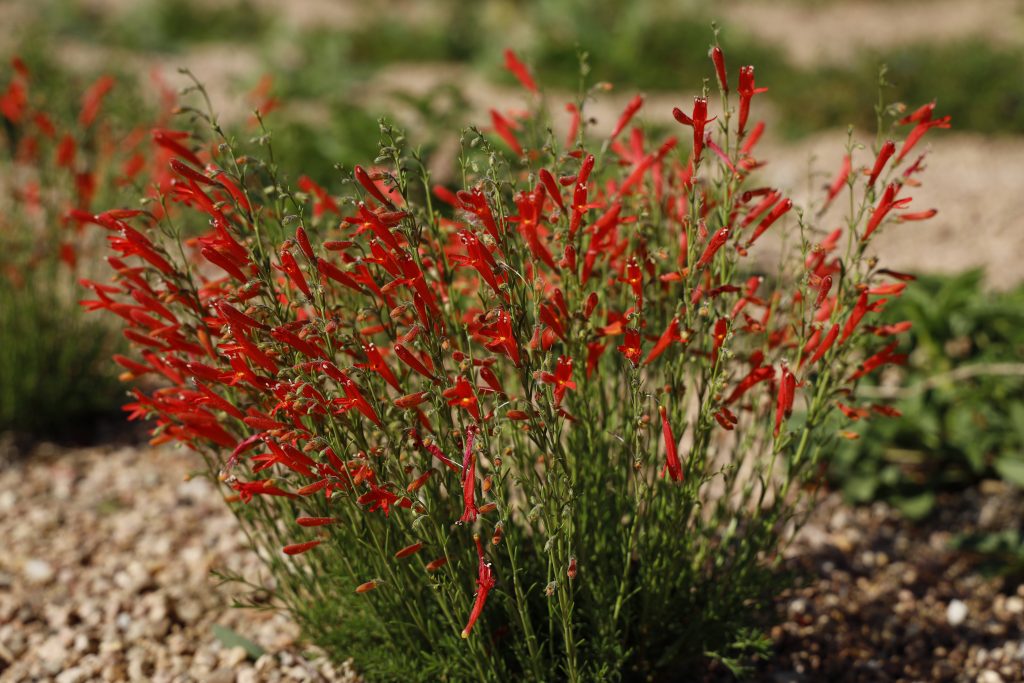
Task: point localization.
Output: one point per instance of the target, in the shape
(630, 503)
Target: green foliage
(979, 84)
(230, 638)
(963, 408)
(154, 25)
(55, 369)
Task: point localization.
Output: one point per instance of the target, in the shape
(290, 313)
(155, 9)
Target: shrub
(555, 424)
(60, 152)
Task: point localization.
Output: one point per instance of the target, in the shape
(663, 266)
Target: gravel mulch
(107, 553)
(105, 575)
(887, 600)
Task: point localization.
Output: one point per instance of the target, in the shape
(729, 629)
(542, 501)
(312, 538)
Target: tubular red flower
(364, 179)
(746, 90)
(837, 185)
(859, 310)
(519, 70)
(672, 464)
(824, 287)
(697, 120)
(719, 61)
(505, 130)
(784, 403)
(561, 378)
(485, 581)
(671, 334)
(825, 345)
(299, 548)
(631, 109)
(884, 154)
(777, 212)
(408, 551)
(631, 347)
(315, 521)
(462, 395)
(469, 509)
(714, 244)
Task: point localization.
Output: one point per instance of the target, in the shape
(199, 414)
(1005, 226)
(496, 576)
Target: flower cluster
(389, 372)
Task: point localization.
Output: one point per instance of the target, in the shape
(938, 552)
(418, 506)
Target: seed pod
(499, 530)
(571, 571)
(368, 586)
(434, 565)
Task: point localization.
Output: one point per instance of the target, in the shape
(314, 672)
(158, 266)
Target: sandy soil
(812, 33)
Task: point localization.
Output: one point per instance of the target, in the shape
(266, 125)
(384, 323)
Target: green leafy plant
(962, 402)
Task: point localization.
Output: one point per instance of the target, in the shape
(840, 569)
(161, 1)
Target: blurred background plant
(58, 156)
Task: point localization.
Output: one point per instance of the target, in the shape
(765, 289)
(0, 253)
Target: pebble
(989, 676)
(956, 612)
(38, 572)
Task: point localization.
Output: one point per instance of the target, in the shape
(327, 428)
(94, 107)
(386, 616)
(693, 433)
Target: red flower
(631, 109)
(671, 334)
(714, 244)
(379, 498)
(782, 207)
(859, 310)
(634, 278)
(462, 395)
(502, 338)
(519, 70)
(784, 403)
(884, 153)
(299, 548)
(718, 338)
(485, 581)
(248, 489)
(887, 204)
(469, 509)
(719, 60)
(837, 185)
(747, 91)
(561, 379)
(631, 347)
(697, 120)
(672, 464)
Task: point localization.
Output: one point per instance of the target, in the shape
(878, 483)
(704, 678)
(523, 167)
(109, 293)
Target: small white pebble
(38, 572)
(956, 613)
(989, 676)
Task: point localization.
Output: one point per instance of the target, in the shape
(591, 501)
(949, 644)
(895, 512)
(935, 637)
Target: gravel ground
(105, 575)
(887, 600)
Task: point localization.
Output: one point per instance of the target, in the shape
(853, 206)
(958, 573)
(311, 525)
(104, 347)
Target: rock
(38, 572)
(53, 654)
(247, 675)
(956, 612)
(989, 676)
(232, 657)
(73, 675)
(221, 676)
(1015, 605)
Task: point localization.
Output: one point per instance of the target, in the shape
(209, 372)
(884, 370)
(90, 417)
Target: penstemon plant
(555, 424)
